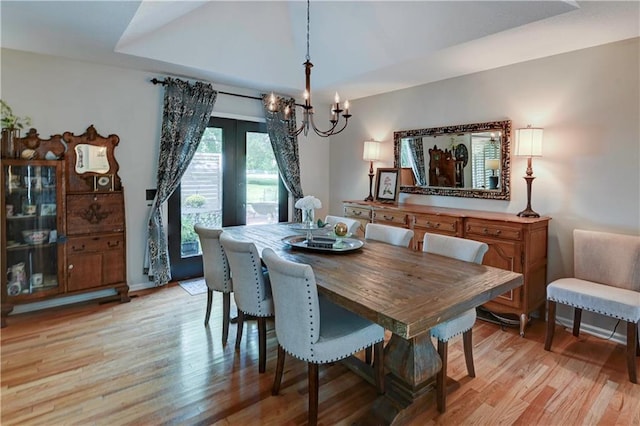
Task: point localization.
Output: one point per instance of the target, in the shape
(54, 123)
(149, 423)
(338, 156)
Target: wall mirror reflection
(467, 160)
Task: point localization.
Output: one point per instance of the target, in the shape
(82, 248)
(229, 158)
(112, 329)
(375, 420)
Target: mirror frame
(504, 190)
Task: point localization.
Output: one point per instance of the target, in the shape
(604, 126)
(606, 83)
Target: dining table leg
(410, 383)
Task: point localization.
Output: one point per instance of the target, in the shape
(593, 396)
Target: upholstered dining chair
(388, 234)
(252, 290)
(313, 329)
(352, 224)
(606, 280)
(468, 251)
(216, 274)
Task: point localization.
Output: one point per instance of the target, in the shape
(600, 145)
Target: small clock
(103, 183)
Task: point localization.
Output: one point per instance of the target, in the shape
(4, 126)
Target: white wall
(64, 95)
(588, 103)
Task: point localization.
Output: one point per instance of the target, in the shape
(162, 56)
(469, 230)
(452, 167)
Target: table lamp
(529, 144)
(371, 153)
(492, 164)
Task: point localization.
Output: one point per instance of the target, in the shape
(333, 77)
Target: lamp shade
(529, 142)
(371, 151)
(492, 164)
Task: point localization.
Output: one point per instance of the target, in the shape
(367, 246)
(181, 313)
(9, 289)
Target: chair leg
(239, 328)
(313, 393)
(441, 378)
(378, 365)
(226, 313)
(367, 355)
(632, 341)
(277, 380)
(577, 318)
(209, 303)
(262, 344)
(551, 325)
(467, 341)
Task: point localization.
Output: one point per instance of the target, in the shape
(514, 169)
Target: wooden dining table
(405, 291)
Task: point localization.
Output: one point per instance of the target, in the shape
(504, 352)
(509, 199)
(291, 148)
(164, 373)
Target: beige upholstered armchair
(251, 290)
(607, 281)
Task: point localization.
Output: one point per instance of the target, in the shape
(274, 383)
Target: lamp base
(528, 213)
(370, 197)
(493, 182)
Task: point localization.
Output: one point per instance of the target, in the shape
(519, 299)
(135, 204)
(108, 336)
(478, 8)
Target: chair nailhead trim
(609, 314)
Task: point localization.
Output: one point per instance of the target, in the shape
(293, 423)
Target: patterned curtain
(187, 108)
(285, 146)
(417, 160)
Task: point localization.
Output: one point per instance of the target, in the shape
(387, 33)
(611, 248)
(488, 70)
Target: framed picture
(47, 209)
(387, 185)
(103, 183)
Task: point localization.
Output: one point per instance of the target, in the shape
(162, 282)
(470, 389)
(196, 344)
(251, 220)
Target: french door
(233, 179)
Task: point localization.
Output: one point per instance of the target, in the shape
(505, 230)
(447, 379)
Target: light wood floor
(151, 361)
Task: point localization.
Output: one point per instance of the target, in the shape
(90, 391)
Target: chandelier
(307, 117)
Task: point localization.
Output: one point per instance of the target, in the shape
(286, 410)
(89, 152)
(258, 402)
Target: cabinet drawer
(357, 212)
(439, 224)
(101, 243)
(95, 213)
(493, 229)
(390, 217)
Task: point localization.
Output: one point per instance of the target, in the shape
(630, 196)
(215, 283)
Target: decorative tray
(324, 244)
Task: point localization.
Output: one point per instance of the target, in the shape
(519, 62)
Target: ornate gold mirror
(466, 160)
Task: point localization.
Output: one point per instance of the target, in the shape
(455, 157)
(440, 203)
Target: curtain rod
(164, 83)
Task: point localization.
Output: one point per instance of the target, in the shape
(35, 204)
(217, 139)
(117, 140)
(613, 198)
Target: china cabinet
(62, 225)
(515, 243)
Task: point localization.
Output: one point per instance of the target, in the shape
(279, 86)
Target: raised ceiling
(359, 48)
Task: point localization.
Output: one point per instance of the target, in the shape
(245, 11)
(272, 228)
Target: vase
(308, 217)
(9, 137)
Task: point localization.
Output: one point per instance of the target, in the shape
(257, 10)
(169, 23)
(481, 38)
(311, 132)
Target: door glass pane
(31, 211)
(201, 191)
(262, 180)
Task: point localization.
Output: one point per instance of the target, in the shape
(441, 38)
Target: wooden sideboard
(515, 243)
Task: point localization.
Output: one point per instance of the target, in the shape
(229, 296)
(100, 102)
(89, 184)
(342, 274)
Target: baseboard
(585, 327)
(76, 298)
(594, 330)
(62, 301)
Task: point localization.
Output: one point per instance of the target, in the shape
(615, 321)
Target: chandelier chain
(308, 21)
(337, 124)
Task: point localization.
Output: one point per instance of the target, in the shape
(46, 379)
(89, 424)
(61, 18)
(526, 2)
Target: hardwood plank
(152, 361)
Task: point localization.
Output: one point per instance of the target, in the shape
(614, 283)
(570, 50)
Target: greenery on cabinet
(11, 121)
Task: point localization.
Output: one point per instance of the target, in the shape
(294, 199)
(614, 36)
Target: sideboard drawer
(357, 212)
(447, 225)
(390, 217)
(485, 228)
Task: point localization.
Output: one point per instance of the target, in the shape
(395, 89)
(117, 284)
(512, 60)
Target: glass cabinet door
(31, 225)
